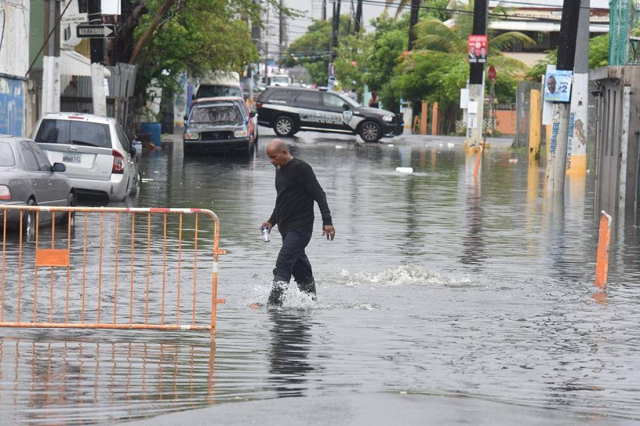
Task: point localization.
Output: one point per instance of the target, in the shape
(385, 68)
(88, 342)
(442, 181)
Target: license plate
(71, 158)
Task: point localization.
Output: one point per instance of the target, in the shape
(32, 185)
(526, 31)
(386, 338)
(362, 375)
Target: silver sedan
(28, 178)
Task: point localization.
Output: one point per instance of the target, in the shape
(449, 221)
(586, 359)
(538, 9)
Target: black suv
(288, 110)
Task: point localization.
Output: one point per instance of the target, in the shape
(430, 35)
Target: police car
(289, 110)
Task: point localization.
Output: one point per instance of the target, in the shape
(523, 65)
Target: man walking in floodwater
(297, 188)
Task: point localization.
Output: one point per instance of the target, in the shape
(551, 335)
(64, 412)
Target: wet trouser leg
(292, 260)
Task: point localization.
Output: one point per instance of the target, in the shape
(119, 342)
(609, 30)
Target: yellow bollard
(535, 124)
(602, 257)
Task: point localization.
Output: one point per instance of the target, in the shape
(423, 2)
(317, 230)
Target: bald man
(297, 189)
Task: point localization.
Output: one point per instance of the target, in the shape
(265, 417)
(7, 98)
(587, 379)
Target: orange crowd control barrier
(110, 257)
(602, 257)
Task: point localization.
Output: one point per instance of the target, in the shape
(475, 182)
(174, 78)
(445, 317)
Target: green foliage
(598, 57)
(351, 61)
(199, 36)
(312, 49)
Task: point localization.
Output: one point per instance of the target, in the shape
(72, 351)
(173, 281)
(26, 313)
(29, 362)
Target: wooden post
(424, 118)
(434, 119)
(535, 124)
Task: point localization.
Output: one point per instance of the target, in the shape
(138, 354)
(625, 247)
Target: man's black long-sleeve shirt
(297, 188)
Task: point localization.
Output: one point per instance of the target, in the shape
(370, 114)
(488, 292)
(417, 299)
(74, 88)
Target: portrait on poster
(558, 86)
(477, 49)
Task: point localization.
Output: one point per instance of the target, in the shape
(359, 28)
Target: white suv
(99, 157)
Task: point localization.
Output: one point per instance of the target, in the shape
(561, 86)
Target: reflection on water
(288, 351)
(434, 284)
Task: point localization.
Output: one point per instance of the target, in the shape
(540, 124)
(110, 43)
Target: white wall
(14, 19)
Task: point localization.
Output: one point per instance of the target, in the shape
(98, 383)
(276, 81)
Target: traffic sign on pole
(96, 31)
(492, 73)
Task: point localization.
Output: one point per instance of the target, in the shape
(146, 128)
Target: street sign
(492, 73)
(96, 31)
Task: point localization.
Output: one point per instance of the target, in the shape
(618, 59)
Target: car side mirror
(252, 114)
(345, 106)
(59, 167)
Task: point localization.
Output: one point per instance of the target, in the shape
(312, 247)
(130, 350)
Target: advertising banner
(557, 86)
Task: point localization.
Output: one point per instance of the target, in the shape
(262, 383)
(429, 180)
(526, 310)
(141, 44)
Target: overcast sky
(313, 9)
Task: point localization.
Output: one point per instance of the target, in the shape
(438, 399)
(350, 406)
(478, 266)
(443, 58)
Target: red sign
(477, 49)
(492, 73)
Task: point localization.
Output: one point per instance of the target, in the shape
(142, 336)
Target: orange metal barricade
(90, 250)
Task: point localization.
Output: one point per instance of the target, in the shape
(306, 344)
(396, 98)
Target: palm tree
(451, 37)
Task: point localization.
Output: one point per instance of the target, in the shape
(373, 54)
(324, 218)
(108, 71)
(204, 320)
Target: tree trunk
(121, 49)
(149, 32)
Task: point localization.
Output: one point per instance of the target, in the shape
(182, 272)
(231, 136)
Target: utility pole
(97, 59)
(51, 59)
(577, 144)
(281, 32)
(358, 16)
(324, 10)
(556, 164)
(413, 20)
(476, 76)
(266, 48)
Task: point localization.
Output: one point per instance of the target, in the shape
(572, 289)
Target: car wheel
(136, 184)
(284, 126)
(29, 222)
(71, 202)
(370, 131)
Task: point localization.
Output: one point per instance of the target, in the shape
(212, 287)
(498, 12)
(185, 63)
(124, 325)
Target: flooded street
(434, 285)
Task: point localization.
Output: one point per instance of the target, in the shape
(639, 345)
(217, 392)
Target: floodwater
(434, 285)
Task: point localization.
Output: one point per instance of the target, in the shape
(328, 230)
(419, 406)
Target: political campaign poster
(557, 86)
(477, 49)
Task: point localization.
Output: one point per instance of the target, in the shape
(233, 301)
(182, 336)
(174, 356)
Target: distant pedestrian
(374, 102)
(353, 95)
(297, 189)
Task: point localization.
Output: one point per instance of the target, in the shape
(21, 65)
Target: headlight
(387, 118)
(240, 133)
(191, 136)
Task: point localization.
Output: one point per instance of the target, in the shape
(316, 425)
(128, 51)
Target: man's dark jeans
(292, 260)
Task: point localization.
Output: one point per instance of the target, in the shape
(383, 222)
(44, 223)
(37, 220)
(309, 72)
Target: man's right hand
(268, 225)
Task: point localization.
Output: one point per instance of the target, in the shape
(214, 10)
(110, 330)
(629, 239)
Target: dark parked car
(220, 125)
(28, 178)
(289, 110)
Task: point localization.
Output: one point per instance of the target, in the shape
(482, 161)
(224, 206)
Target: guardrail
(90, 251)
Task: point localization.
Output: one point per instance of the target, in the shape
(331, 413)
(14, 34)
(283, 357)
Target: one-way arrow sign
(96, 31)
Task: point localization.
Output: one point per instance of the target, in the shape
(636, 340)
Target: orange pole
(100, 269)
(179, 270)
(20, 264)
(133, 240)
(423, 119)
(115, 284)
(4, 251)
(195, 273)
(146, 309)
(164, 266)
(476, 168)
(53, 241)
(434, 119)
(602, 256)
(84, 265)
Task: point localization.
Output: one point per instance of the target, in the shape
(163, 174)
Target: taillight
(5, 192)
(118, 162)
(259, 104)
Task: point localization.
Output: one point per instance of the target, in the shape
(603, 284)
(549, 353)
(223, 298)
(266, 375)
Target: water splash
(402, 275)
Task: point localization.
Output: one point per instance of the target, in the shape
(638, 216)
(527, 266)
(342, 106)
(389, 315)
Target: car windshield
(349, 101)
(7, 159)
(281, 79)
(216, 114)
(74, 133)
(217, 91)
